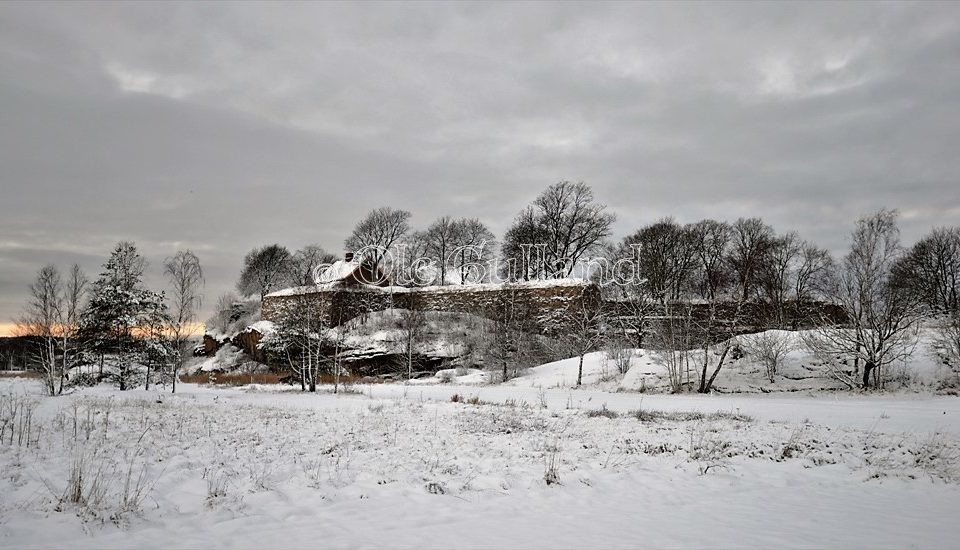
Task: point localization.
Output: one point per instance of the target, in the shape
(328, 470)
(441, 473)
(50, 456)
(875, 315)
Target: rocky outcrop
(247, 340)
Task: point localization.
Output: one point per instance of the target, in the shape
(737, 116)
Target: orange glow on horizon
(10, 329)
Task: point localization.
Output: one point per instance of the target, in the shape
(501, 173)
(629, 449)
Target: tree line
(885, 288)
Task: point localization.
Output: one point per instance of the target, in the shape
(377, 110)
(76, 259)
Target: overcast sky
(219, 127)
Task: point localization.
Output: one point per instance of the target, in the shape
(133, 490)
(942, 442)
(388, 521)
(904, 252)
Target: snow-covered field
(403, 466)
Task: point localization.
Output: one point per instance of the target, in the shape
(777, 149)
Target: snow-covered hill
(799, 370)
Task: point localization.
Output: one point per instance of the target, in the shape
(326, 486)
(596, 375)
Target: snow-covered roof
(337, 271)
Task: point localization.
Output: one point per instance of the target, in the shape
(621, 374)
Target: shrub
(707, 450)
(457, 398)
(602, 411)
(85, 380)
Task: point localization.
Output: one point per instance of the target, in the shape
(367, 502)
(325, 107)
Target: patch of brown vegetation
(241, 379)
(19, 374)
(234, 379)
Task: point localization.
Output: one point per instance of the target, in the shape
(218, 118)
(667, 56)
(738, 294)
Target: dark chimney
(348, 256)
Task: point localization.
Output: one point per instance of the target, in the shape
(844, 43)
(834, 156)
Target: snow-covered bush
(84, 380)
(769, 348)
(620, 354)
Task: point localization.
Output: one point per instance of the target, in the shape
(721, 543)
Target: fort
(550, 307)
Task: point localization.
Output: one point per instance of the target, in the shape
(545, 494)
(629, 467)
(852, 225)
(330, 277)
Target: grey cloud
(223, 126)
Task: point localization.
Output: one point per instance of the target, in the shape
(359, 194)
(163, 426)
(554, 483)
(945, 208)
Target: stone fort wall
(550, 308)
(547, 307)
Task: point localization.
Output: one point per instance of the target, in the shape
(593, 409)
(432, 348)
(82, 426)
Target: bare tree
(265, 269)
(523, 251)
(412, 323)
(674, 341)
(882, 312)
(706, 333)
(52, 317)
(69, 306)
(931, 269)
(633, 310)
(749, 242)
(549, 238)
(665, 255)
(185, 277)
(410, 264)
(474, 248)
(509, 338)
(716, 331)
(776, 274)
(770, 348)
(711, 240)
(305, 261)
(585, 331)
(813, 271)
(376, 234)
(619, 351)
(575, 224)
(40, 320)
(440, 243)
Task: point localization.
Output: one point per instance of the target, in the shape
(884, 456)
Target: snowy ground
(397, 466)
(646, 370)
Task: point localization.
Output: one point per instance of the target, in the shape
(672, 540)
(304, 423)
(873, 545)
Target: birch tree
(40, 320)
(300, 340)
(71, 305)
(185, 278)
